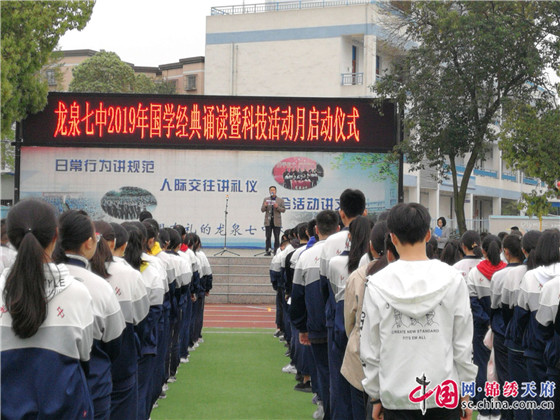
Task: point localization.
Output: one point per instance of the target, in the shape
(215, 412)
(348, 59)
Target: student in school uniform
(276, 281)
(198, 306)
(472, 251)
(189, 292)
(500, 314)
(547, 254)
(183, 275)
(340, 267)
(77, 243)
(206, 279)
(147, 330)
(352, 205)
(515, 327)
(132, 296)
(415, 291)
(478, 282)
(156, 248)
(383, 255)
(46, 324)
(307, 311)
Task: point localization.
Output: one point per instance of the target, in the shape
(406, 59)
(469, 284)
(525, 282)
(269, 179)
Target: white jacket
(416, 321)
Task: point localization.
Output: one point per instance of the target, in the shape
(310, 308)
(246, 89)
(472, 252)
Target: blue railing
(530, 181)
(508, 176)
(282, 5)
(486, 172)
(352, 79)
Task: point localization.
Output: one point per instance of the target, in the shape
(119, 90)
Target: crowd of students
(368, 311)
(95, 317)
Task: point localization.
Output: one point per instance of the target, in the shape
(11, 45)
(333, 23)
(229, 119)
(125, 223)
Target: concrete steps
(242, 280)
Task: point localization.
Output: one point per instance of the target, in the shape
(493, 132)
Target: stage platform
(240, 279)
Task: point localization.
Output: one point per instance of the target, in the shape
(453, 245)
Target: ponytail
(471, 240)
(31, 228)
(134, 249)
(529, 243)
(359, 232)
(103, 252)
(493, 248)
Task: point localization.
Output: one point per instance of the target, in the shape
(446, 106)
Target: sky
(146, 32)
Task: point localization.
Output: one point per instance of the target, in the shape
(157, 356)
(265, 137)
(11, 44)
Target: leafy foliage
(104, 72)
(530, 140)
(30, 32)
(382, 166)
(466, 58)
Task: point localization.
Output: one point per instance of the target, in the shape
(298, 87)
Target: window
(190, 82)
(377, 64)
(51, 78)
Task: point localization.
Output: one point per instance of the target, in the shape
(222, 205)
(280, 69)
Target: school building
(338, 49)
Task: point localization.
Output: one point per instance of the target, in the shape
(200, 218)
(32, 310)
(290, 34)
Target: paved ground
(239, 316)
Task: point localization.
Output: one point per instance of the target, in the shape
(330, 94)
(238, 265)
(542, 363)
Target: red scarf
(487, 269)
(184, 247)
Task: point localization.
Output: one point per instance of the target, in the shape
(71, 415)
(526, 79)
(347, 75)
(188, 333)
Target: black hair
(443, 221)
(181, 230)
(431, 248)
(359, 232)
(272, 186)
(409, 222)
(529, 243)
(74, 228)
(135, 247)
(121, 235)
(152, 223)
(164, 237)
(352, 202)
(327, 222)
(378, 265)
(3, 230)
(502, 235)
(144, 231)
(197, 243)
(31, 228)
(451, 252)
(493, 248)
(145, 214)
(377, 237)
(150, 231)
(103, 252)
(174, 239)
(311, 228)
(390, 246)
(301, 230)
(471, 240)
(547, 251)
(190, 240)
(512, 243)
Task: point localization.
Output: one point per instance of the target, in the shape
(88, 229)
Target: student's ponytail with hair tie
(25, 289)
(103, 252)
(493, 248)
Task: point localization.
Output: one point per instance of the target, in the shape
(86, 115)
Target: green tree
(530, 140)
(143, 84)
(536, 204)
(30, 32)
(463, 60)
(166, 86)
(104, 72)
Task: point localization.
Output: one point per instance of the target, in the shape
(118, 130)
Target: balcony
(508, 176)
(283, 5)
(349, 79)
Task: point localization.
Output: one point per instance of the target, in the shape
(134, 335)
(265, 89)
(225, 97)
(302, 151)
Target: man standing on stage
(272, 207)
